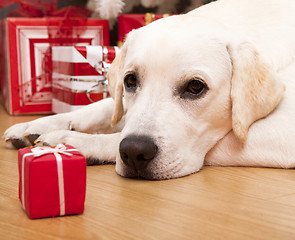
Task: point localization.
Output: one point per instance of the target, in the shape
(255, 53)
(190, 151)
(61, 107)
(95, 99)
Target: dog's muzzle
(137, 151)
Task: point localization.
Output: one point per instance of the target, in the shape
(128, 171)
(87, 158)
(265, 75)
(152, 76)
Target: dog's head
(185, 87)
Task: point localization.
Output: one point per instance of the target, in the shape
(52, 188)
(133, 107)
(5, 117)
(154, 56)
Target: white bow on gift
(57, 151)
(60, 148)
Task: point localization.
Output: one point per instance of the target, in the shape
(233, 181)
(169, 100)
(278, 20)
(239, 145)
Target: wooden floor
(217, 203)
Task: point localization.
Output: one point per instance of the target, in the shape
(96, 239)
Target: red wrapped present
(128, 22)
(26, 87)
(52, 181)
(79, 75)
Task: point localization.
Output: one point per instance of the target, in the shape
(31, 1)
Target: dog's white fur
(242, 49)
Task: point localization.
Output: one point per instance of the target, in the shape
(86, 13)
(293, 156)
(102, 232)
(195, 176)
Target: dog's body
(193, 85)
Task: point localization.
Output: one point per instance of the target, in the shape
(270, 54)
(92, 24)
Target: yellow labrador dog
(214, 86)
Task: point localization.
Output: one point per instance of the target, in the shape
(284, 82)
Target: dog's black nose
(137, 151)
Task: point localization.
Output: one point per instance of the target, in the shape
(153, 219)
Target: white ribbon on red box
(57, 151)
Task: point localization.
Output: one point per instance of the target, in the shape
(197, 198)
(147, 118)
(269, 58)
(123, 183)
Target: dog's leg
(93, 118)
(97, 148)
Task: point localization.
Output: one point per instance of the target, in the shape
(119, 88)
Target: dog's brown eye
(195, 88)
(130, 82)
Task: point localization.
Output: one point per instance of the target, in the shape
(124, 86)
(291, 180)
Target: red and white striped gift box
(78, 76)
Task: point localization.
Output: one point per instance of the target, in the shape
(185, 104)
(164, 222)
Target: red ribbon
(30, 8)
(43, 8)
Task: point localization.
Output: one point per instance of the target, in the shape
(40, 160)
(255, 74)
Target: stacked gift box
(26, 87)
(78, 76)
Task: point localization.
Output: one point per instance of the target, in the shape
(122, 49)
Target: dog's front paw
(18, 136)
(87, 144)
(53, 138)
(24, 134)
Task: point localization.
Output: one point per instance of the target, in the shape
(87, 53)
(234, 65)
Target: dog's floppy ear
(115, 81)
(255, 91)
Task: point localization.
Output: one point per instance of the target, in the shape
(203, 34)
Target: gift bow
(57, 151)
(60, 148)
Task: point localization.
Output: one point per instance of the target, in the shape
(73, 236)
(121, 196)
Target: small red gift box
(52, 181)
(79, 75)
(26, 86)
(128, 22)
